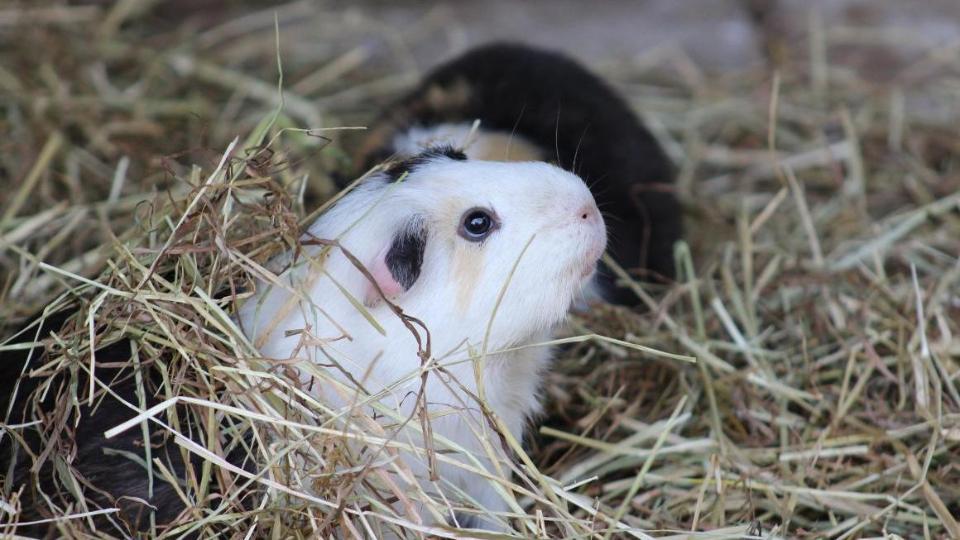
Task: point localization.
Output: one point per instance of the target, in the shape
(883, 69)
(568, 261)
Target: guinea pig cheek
(384, 279)
(468, 261)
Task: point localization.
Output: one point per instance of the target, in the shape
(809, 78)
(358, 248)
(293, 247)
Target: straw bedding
(818, 290)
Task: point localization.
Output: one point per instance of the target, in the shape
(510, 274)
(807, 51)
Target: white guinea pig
(488, 255)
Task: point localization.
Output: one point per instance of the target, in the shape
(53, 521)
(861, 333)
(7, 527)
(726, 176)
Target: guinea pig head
(477, 244)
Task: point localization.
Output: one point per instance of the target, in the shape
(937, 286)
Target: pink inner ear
(381, 274)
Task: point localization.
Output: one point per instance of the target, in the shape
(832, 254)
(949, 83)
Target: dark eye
(477, 224)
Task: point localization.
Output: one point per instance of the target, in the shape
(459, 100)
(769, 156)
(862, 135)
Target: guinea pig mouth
(588, 271)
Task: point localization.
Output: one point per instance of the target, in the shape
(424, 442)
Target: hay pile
(819, 292)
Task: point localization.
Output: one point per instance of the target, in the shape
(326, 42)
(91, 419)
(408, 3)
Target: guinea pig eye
(477, 224)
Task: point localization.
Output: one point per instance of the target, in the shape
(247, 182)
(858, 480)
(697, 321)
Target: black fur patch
(576, 119)
(396, 170)
(405, 257)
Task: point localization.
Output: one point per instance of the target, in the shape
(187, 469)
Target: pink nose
(589, 212)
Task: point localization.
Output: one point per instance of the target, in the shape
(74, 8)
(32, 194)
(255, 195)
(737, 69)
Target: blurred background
(717, 35)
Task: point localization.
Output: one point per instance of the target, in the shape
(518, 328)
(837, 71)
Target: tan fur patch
(503, 147)
(467, 266)
(466, 259)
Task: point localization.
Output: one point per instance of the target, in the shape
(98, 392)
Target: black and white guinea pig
(536, 105)
(488, 255)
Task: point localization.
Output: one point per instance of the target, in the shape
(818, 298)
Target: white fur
(540, 209)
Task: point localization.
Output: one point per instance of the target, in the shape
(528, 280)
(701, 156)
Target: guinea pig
(437, 277)
(487, 256)
(533, 104)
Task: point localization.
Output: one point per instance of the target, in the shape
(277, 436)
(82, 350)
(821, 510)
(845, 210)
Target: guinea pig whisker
(513, 131)
(610, 217)
(598, 193)
(576, 151)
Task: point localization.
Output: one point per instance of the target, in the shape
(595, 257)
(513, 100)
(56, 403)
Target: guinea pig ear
(397, 266)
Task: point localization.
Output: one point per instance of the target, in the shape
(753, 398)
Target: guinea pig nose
(589, 212)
